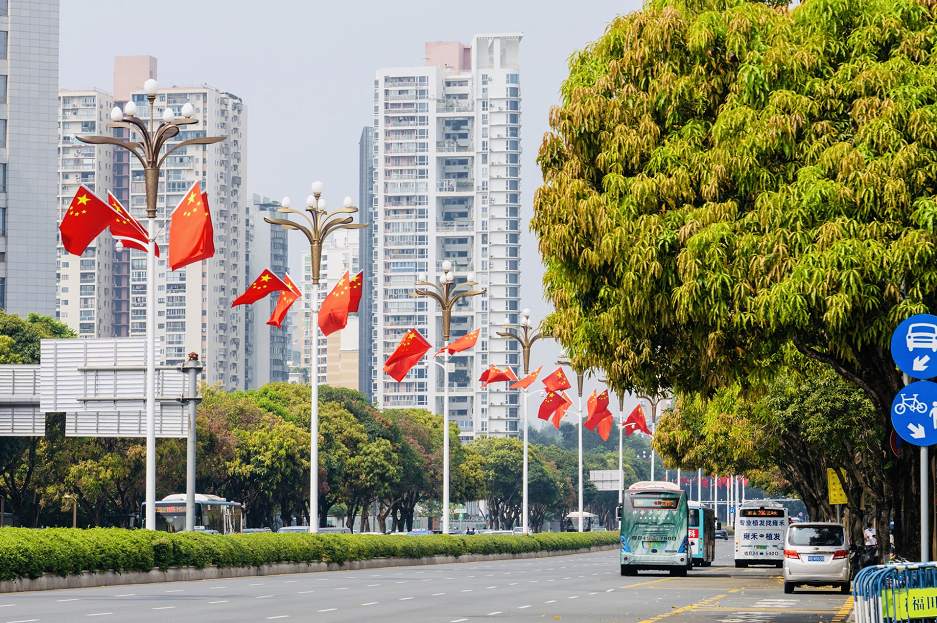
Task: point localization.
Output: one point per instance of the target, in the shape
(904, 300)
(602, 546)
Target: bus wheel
(740, 565)
(788, 588)
(680, 573)
(626, 570)
(707, 563)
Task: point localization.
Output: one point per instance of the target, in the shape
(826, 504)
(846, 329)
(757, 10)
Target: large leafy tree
(725, 177)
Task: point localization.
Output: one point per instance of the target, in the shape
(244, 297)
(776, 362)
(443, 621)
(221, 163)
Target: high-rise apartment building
(267, 348)
(29, 75)
(339, 352)
(104, 293)
(446, 186)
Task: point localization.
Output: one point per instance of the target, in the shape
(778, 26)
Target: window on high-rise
(3, 133)
(3, 88)
(3, 292)
(3, 179)
(4, 35)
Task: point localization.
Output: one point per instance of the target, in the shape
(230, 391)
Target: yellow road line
(844, 611)
(684, 609)
(771, 609)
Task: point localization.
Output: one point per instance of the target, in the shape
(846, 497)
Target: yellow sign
(912, 603)
(836, 493)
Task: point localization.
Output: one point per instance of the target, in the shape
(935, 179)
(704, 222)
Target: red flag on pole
(465, 342)
(635, 422)
(552, 402)
(556, 381)
(527, 381)
(411, 349)
(333, 315)
(559, 413)
(86, 217)
(191, 234)
(286, 300)
(598, 413)
(495, 374)
(265, 284)
(127, 229)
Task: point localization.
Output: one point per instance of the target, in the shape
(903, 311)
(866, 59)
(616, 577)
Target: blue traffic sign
(914, 413)
(914, 346)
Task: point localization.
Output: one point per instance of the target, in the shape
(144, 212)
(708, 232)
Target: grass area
(27, 553)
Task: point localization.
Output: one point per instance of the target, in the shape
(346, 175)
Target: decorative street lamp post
(654, 400)
(446, 293)
(149, 151)
(319, 224)
(526, 337)
(580, 379)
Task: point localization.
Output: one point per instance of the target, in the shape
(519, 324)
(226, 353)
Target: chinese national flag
(265, 284)
(636, 422)
(605, 427)
(333, 315)
(354, 300)
(527, 381)
(598, 414)
(487, 373)
(127, 229)
(550, 404)
(556, 381)
(465, 342)
(86, 217)
(411, 349)
(559, 413)
(286, 300)
(191, 235)
(496, 375)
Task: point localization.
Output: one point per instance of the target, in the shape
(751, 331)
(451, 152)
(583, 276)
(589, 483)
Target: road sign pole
(925, 505)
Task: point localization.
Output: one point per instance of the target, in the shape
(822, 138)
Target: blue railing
(896, 593)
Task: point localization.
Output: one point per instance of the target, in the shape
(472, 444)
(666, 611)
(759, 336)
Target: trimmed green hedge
(27, 553)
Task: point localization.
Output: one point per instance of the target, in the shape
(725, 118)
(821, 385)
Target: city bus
(654, 528)
(760, 527)
(702, 530)
(212, 514)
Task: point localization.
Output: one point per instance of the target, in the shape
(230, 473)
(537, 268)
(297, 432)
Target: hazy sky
(305, 71)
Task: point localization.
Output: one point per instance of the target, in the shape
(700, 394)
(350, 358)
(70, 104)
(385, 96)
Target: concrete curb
(48, 582)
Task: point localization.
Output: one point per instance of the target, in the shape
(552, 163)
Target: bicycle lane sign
(914, 413)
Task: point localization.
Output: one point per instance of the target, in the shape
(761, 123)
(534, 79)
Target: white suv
(816, 554)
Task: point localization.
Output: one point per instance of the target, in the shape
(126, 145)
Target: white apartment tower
(446, 186)
(103, 293)
(29, 68)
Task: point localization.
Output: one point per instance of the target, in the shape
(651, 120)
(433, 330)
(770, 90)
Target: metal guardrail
(896, 593)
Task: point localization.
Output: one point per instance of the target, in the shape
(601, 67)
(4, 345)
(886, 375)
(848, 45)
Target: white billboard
(20, 415)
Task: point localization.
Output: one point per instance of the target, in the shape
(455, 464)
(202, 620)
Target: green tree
(724, 178)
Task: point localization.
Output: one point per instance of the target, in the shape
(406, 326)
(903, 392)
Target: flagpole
(579, 430)
(526, 337)
(445, 440)
(150, 373)
(621, 446)
(314, 410)
(699, 485)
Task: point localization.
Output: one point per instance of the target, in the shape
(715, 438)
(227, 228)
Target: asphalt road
(586, 588)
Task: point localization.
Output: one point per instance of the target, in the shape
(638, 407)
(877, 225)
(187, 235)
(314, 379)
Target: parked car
(816, 554)
(255, 530)
(721, 534)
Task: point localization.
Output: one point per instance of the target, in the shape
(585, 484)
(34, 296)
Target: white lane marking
(341, 588)
(327, 610)
(163, 608)
(491, 587)
(437, 594)
(573, 597)
(24, 621)
(405, 599)
(522, 607)
(220, 601)
(457, 620)
(400, 582)
(593, 593)
(264, 596)
(513, 584)
(98, 614)
(279, 616)
(62, 601)
(5, 605)
(175, 590)
(452, 579)
(550, 601)
(256, 584)
(466, 590)
(491, 614)
(212, 588)
(126, 595)
(373, 585)
(370, 603)
(304, 592)
(609, 590)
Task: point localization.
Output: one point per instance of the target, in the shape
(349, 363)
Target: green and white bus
(654, 529)
(702, 534)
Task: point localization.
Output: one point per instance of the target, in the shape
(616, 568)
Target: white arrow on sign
(920, 363)
(917, 431)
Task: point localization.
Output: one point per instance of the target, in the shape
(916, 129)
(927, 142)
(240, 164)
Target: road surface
(580, 588)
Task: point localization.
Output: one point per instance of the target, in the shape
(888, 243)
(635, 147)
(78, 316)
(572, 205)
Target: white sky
(305, 68)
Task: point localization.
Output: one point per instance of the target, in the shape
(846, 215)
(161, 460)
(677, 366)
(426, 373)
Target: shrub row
(27, 553)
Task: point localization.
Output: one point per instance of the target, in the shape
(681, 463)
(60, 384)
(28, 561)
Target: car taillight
(839, 554)
(789, 553)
